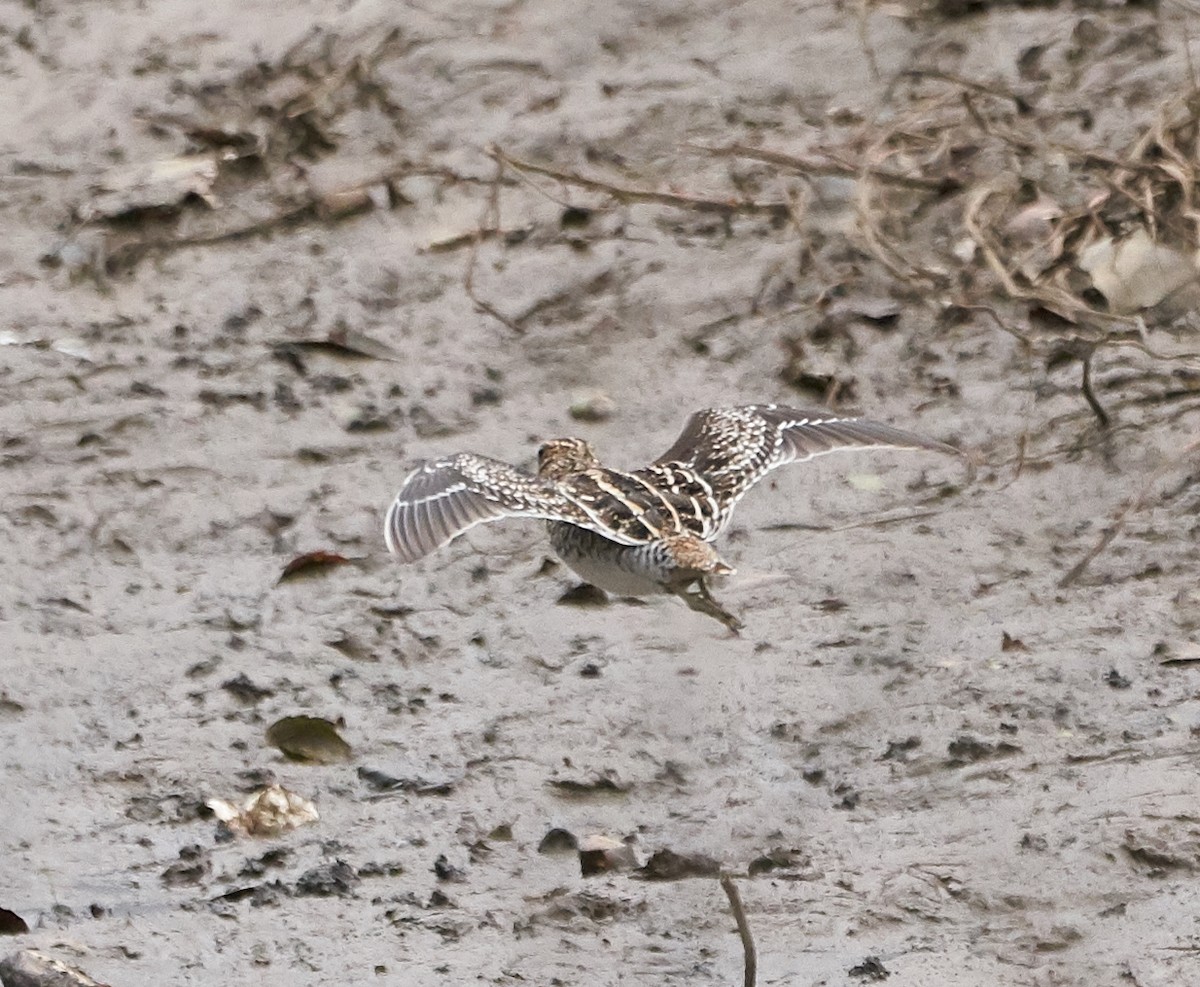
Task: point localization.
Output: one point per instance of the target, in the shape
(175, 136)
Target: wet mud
(258, 262)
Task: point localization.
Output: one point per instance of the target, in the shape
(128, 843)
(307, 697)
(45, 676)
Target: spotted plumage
(633, 532)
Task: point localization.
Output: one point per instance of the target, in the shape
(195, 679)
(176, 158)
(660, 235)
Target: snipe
(640, 532)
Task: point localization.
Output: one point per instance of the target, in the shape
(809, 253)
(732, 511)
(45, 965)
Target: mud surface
(925, 758)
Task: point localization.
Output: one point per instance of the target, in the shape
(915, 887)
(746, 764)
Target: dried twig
(1137, 344)
(1090, 395)
(726, 207)
(891, 256)
(864, 38)
(489, 219)
(127, 254)
(1133, 506)
(827, 166)
(743, 927)
(1053, 298)
(970, 85)
(312, 207)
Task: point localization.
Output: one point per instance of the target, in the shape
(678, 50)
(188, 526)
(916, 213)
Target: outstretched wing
(734, 448)
(444, 497)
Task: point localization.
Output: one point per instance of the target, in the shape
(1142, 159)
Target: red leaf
(309, 563)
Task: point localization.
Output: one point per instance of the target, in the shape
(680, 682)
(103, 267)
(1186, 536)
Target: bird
(639, 532)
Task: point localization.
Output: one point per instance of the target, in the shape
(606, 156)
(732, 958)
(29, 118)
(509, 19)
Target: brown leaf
(309, 738)
(558, 840)
(311, 563)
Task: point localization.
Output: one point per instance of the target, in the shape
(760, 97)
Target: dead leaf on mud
(600, 854)
(558, 841)
(343, 189)
(667, 865)
(11, 924)
(156, 185)
(268, 812)
(343, 341)
(1187, 653)
(1136, 273)
(583, 595)
(267, 894)
(309, 738)
(311, 564)
(8, 705)
(32, 968)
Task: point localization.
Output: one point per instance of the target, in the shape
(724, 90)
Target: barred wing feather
(736, 447)
(443, 498)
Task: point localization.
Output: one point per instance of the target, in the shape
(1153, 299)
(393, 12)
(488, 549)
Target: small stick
(864, 39)
(489, 220)
(622, 194)
(829, 166)
(1118, 523)
(743, 927)
(1090, 395)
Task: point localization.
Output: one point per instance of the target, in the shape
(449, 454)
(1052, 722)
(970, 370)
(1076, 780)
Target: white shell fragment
(268, 812)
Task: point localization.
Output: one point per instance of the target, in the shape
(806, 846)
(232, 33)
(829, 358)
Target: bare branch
(623, 194)
(1134, 505)
(743, 927)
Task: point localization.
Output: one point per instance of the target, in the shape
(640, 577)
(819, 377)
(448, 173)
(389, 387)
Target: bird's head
(559, 458)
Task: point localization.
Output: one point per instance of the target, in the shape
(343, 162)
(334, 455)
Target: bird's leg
(702, 602)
